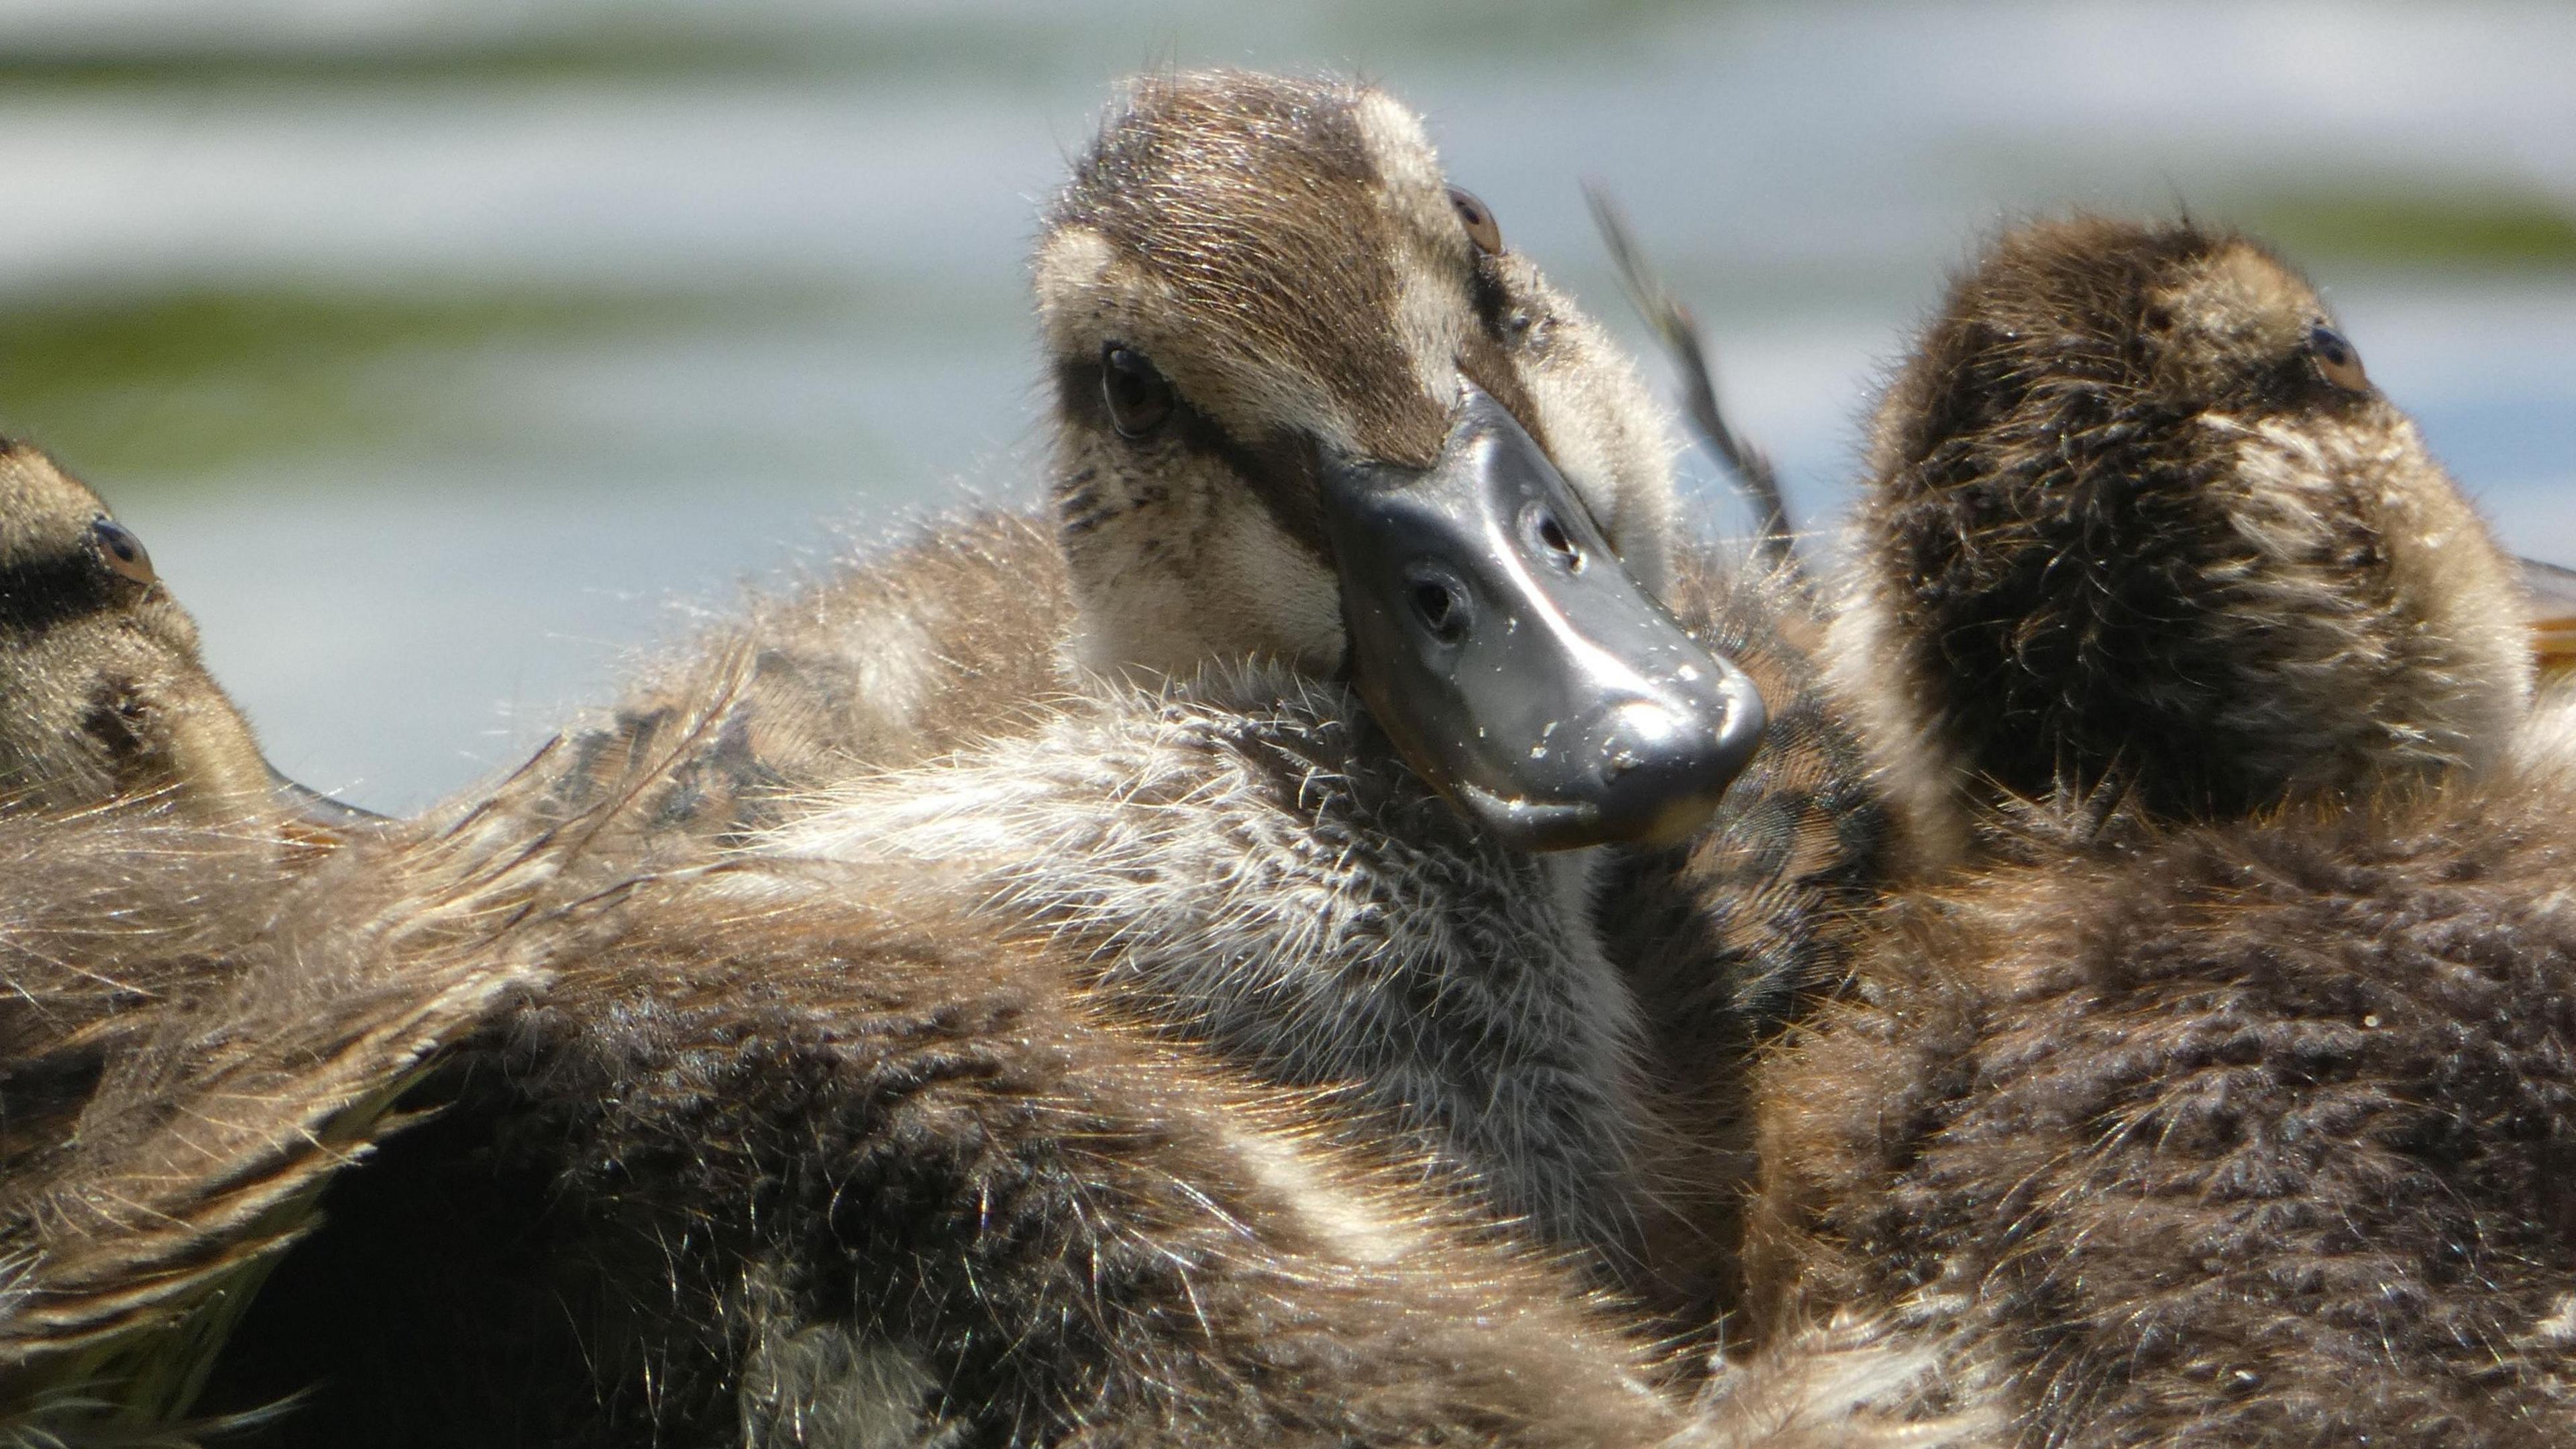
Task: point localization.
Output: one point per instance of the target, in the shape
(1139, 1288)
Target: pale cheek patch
(2441, 672)
(1288, 603)
(1194, 571)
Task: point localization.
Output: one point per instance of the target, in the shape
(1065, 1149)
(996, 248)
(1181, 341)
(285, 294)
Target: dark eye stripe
(41, 593)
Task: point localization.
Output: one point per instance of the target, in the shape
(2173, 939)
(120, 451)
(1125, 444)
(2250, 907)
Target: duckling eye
(121, 551)
(2339, 360)
(1139, 399)
(1482, 230)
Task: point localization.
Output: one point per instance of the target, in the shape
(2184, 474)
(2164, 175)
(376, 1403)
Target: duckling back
(890, 657)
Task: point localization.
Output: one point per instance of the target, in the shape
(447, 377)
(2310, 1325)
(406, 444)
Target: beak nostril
(1553, 537)
(1441, 611)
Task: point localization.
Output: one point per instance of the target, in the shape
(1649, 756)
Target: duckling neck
(1244, 862)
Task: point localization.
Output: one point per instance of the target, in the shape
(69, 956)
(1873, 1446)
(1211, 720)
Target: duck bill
(313, 817)
(1511, 658)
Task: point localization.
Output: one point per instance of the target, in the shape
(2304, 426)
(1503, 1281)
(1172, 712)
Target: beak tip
(1660, 771)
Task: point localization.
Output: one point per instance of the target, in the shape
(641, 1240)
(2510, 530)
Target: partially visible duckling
(105, 695)
(2551, 592)
(205, 1017)
(2140, 523)
(2228, 1097)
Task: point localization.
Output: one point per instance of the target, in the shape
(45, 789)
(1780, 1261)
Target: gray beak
(1512, 659)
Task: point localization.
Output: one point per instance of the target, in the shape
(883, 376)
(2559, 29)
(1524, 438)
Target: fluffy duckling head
(1310, 407)
(2138, 525)
(102, 693)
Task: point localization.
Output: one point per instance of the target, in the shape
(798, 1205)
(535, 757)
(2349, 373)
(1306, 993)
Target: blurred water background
(447, 352)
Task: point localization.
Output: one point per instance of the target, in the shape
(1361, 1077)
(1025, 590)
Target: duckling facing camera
(952, 1109)
(1316, 423)
(2223, 1096)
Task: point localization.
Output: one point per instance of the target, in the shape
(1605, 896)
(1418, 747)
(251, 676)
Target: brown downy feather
(773, 1164)
(195, 1032)
(890, 658)
(801, 1154)
(1735, 935)
(201, 1028)
(2225, 1098)
(2252, 1134)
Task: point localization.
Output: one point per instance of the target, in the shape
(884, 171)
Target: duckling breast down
(1242, 860)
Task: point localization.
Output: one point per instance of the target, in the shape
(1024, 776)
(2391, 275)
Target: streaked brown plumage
(204, 1016)
(888, 658)
(2224, 1097)
(797, 1152)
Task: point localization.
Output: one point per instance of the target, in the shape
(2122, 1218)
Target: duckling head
(2137, 519)
(102, 693)
(1310, 408)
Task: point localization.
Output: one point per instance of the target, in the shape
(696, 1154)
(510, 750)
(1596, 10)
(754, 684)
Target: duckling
(824, 1140)
(206, 1014)
(1196, 514)
(1300, 388)
(2050, 598)
(2219, 1090)
(107, 697)
(894, 660)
